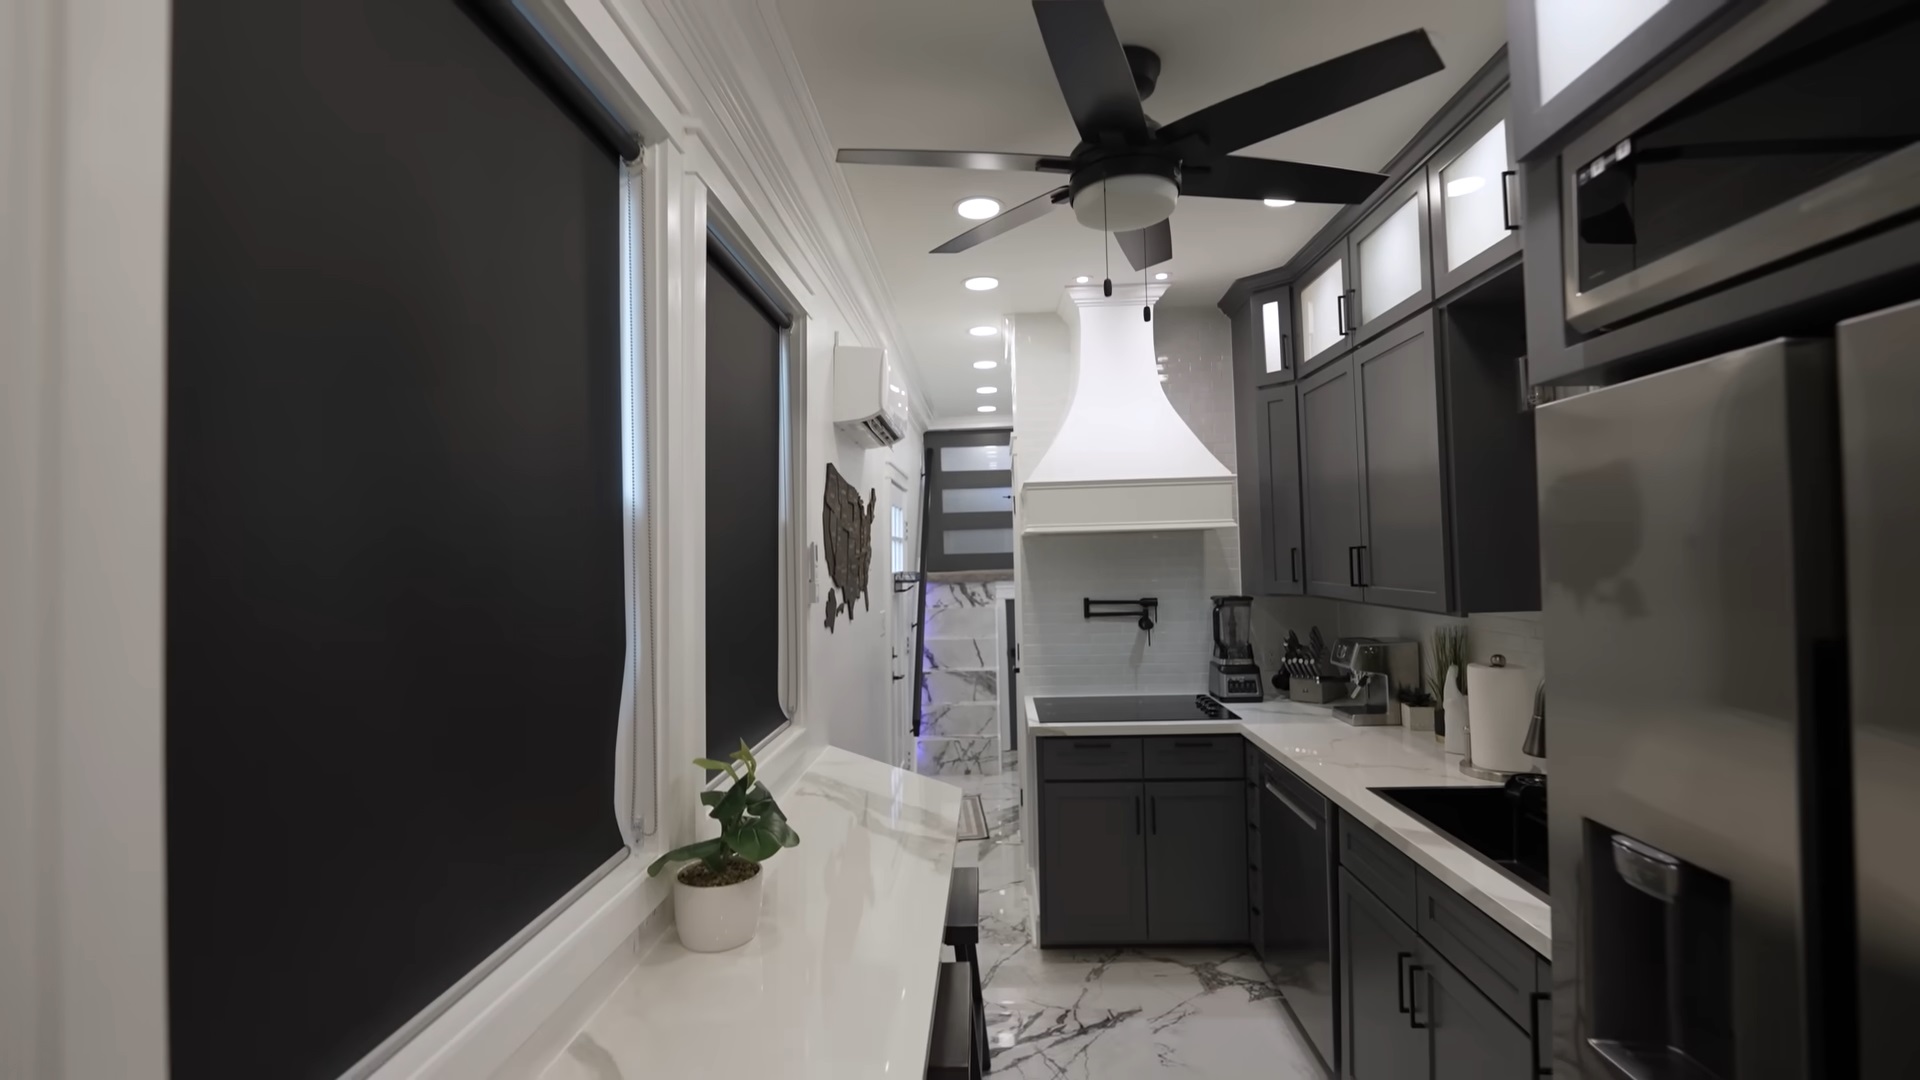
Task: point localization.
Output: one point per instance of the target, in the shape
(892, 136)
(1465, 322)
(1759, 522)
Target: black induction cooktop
(1123, 709)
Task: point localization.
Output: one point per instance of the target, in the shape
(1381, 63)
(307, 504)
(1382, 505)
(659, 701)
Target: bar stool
(963, 933)
(950, 1052)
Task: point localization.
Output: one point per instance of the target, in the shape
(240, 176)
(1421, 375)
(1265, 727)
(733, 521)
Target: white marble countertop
(839, 982)
(1342, 762)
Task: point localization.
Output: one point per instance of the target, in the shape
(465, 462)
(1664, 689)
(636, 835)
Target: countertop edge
(1383, 818)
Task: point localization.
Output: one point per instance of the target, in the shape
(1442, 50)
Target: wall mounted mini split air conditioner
(869, 400)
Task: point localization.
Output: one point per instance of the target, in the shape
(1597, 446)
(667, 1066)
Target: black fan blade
(1149, 246)
(957, 159)
(1303, 97)
(1259, 178)
(1036, 207)
(1091, 68)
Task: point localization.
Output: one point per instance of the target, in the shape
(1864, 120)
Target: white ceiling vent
(1123, 460)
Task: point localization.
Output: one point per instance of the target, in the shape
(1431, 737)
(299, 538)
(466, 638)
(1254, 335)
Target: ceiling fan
(1128, 172)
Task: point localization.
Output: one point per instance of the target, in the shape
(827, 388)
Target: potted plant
(1449, 658)
(716, 900)
(1417, 708)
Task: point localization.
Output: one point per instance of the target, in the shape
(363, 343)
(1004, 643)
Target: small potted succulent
(716, 899)
(1417, 708)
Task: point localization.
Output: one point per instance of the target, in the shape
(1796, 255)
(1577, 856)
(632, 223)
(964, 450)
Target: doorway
(903, 617)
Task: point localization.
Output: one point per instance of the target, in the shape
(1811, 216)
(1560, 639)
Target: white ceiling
(973, 75)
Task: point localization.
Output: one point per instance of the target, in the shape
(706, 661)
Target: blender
(1232, 675)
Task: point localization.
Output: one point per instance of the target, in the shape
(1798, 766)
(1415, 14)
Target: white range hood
(1123, 460)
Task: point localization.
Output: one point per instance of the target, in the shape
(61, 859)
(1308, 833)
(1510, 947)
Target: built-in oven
(1798, 129)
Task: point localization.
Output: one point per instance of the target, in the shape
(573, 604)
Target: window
(897, 533)
(970, 474)
(396, 584)
(754, 527)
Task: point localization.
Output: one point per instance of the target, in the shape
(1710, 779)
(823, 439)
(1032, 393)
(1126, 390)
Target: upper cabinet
(1325, 323)
(1272, 339)
(1472, 187)
(1390, 276)
(1571, 55)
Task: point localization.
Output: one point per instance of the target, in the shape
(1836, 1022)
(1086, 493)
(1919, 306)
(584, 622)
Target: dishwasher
(1296, 908)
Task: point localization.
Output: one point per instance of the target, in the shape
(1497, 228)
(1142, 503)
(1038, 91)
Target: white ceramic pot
(1418, 717)
(718, 918)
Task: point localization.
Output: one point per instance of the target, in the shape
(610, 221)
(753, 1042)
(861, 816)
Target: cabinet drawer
(1499, 964)
(1195, 757)
(1376, 864)
(1066, 758)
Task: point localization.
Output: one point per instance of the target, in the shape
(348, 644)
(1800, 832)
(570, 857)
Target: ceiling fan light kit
(1129, 173)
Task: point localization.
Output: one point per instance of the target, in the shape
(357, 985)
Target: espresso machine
(1380, 667)
(1232, 675)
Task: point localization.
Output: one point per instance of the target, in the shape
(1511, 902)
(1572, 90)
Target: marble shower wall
(960, 687)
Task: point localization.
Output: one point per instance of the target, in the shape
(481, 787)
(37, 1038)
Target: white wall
(1062, 652)
(83, 129)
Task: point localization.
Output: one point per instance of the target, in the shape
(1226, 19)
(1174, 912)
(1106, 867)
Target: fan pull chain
(1106, 245)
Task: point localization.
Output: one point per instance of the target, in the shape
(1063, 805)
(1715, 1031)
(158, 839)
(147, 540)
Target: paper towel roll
(1502, 700)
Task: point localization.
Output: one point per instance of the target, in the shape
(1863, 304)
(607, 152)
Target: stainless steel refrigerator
(1728, 552)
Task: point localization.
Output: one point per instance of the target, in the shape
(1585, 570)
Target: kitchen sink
(1505, 826)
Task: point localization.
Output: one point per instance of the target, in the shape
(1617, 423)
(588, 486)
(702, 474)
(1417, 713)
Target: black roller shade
(395, 633)
(743, 513)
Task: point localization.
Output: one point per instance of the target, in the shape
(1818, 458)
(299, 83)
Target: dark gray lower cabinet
(1093, 845)
(1330, 488)
(1196, 848)
(1379, 1037)
(1470, 1038)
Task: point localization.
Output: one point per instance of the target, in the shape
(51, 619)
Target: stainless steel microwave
(1797, 129)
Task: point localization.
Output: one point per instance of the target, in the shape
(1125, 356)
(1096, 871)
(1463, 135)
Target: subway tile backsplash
(1516, 635)
(1063, 652)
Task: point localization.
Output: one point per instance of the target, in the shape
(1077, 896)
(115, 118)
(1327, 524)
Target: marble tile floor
(1113, 1014)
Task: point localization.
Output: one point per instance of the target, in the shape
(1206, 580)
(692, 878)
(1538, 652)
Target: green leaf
(776, 823)
(709, 763)
(758, 798)
(753, 841)
(711, 798)
(745, 753)
(731, 804)
(704, 850)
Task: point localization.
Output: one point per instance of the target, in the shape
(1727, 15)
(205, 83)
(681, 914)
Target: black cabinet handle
(1310, 821)
(1353, 566)
(1361, 564)
(1506, 202)
(1400, 980)
(1136, 815)
(1153, 814)
(1293, 563)
(1534, 1001)
(1286, 352)
(1413, 999)
(1340, 314)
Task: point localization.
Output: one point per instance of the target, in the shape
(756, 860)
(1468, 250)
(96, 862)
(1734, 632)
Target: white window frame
(637, 783)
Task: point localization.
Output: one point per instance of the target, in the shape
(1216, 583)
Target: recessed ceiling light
(978, 208)
(986, 365)
(1466, 185)
(982, 284)
(1276, 203)
(1081, 280)
(984, 331)
(986, 389)
(986, 408)
(1161, 276)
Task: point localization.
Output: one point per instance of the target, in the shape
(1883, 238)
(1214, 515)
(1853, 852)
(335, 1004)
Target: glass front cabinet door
(1390, 276)
(1474, 191)
(1325, 320)
(1273, 337)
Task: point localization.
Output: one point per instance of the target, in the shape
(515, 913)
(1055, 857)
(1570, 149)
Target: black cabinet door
(1281, 558)
(1380, 957)
(1196, 854)
(1093, 863)
(1404, 559)
(1471, 1039)
(1330, 481)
